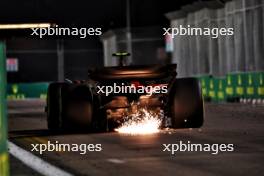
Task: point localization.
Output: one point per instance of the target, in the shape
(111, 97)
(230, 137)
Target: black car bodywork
(79, 105)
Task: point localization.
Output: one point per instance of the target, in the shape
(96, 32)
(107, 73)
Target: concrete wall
(241, 52)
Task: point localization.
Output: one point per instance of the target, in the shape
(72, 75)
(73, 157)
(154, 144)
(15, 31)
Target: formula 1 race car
(110, 94)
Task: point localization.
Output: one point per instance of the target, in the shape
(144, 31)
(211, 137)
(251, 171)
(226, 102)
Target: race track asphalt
(124, 155)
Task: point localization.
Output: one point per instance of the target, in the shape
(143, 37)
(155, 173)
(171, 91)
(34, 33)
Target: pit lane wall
(242, 87)
(4, 166)
(20, 91)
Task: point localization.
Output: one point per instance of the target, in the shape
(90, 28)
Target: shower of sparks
(142, 122)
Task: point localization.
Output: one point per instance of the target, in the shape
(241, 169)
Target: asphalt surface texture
(126, 155)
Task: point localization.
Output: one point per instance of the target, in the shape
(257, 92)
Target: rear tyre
(186, 103)
(79, 109)
(54, 106)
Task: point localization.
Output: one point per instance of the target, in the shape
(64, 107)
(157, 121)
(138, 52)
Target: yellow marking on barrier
(14, 88)
(250, 80)
(250, 90)
(211, 84)
(212, 94)
(260, 90)
(239, 80)
(220, 95)
(204, 90)
(240, 90)
(229, 91)
(229, 80)
(16, 97)
(43, 96)
(4, 164)
(203, 83)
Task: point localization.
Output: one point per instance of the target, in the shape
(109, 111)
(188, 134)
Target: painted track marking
(34, 162)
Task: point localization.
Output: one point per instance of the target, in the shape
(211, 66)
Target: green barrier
(236, 85)
(240, 84)
(245, 85)
(255, 85)
(27, 90)
(205, 84)
(260, 84)
(248, 85)
(4, 166)
(220, 87)
(212, 89)
(229, 86)
(251, 85)
(216, 89)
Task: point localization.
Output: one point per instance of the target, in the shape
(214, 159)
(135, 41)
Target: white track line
(35, 162)
(115, 160)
